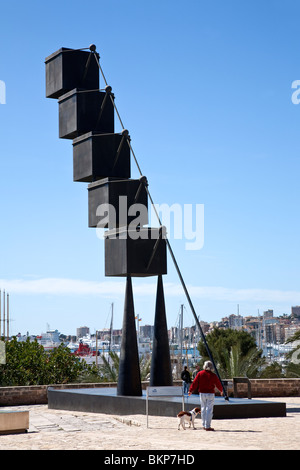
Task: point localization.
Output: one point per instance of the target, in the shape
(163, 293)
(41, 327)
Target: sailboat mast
(111, 327)
(181, 333)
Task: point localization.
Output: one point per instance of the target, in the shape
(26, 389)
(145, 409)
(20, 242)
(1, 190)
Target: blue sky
(205, 90)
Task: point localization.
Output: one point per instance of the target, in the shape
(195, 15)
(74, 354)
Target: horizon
(209, 95)
(95, 289)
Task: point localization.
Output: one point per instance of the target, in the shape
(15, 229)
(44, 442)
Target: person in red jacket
(205, 383)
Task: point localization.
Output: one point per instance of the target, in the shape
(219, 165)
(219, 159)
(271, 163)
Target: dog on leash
(188, 416)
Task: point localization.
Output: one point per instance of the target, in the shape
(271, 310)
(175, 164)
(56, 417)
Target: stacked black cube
(101, 158)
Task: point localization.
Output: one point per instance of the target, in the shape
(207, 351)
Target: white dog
(188, 416)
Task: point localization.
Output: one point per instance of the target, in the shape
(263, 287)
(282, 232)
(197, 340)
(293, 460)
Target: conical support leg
(161, 372)
(129, 380)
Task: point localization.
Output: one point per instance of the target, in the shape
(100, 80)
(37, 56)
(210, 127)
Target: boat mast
(111, 327)
(181, 333)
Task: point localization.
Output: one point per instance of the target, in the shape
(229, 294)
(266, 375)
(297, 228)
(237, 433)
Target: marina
(183, 344)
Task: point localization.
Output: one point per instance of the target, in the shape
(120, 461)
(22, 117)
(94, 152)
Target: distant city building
(146, 331)
(253, 325)
(265, 329)
(204, 326)
(280, 333)
(117, 332)
(224, 323)
(290, 331)
(270, 329)
(82, 331)
(235, 322)
(268, 314)
(295, 311)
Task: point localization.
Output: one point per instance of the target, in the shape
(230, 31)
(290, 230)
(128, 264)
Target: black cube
(67, 69)
(82, 111)
(97, 156)
(112, 203)
(126, 255)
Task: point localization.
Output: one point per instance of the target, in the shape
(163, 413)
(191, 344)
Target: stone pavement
(72, 430)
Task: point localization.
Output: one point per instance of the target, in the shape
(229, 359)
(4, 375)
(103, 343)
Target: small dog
(188, 416)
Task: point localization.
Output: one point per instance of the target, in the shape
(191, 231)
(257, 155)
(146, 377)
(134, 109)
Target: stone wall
(269, 388)
(37, 394)
(32, 395)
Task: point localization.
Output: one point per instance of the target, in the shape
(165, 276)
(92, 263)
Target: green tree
(272, 371)
(235, 353)
(292, 370)
(27, 363)
(62, 367)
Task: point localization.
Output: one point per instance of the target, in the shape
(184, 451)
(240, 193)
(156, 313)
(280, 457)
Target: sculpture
(102, 158)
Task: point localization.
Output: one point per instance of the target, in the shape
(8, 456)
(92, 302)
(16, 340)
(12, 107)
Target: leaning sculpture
(102, 158)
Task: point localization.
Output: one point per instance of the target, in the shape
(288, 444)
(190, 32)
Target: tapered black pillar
(129, 379)
(161, 372)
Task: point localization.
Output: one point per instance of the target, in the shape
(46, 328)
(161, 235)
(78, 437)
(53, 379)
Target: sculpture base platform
(14, 422)
(106, 400)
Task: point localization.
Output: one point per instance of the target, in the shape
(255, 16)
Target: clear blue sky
(205, 91)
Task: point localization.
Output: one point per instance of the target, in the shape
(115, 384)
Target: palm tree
(109, 368)
(234, 364)
(145, 366)
(293, 367)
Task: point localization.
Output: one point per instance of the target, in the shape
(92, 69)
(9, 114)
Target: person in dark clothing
(195, 372)
(186, 379)
(205, 382)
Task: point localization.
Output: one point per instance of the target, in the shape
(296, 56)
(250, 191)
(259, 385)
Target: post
(181, 334)
(7, 317)
(97, 348)
(111, 328)
(4, 315)
(147, 405)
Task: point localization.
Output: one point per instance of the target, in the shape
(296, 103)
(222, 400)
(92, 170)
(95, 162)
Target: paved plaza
(71, 430)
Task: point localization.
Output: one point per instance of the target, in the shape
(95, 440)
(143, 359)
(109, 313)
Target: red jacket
(205, 382)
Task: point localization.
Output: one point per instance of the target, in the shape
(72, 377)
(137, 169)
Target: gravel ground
(71, 430)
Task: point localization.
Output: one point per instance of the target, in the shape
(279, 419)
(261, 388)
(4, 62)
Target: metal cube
(111, 203)
(97, 156)
(67, 69)
(126, 255)
(82, 111)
